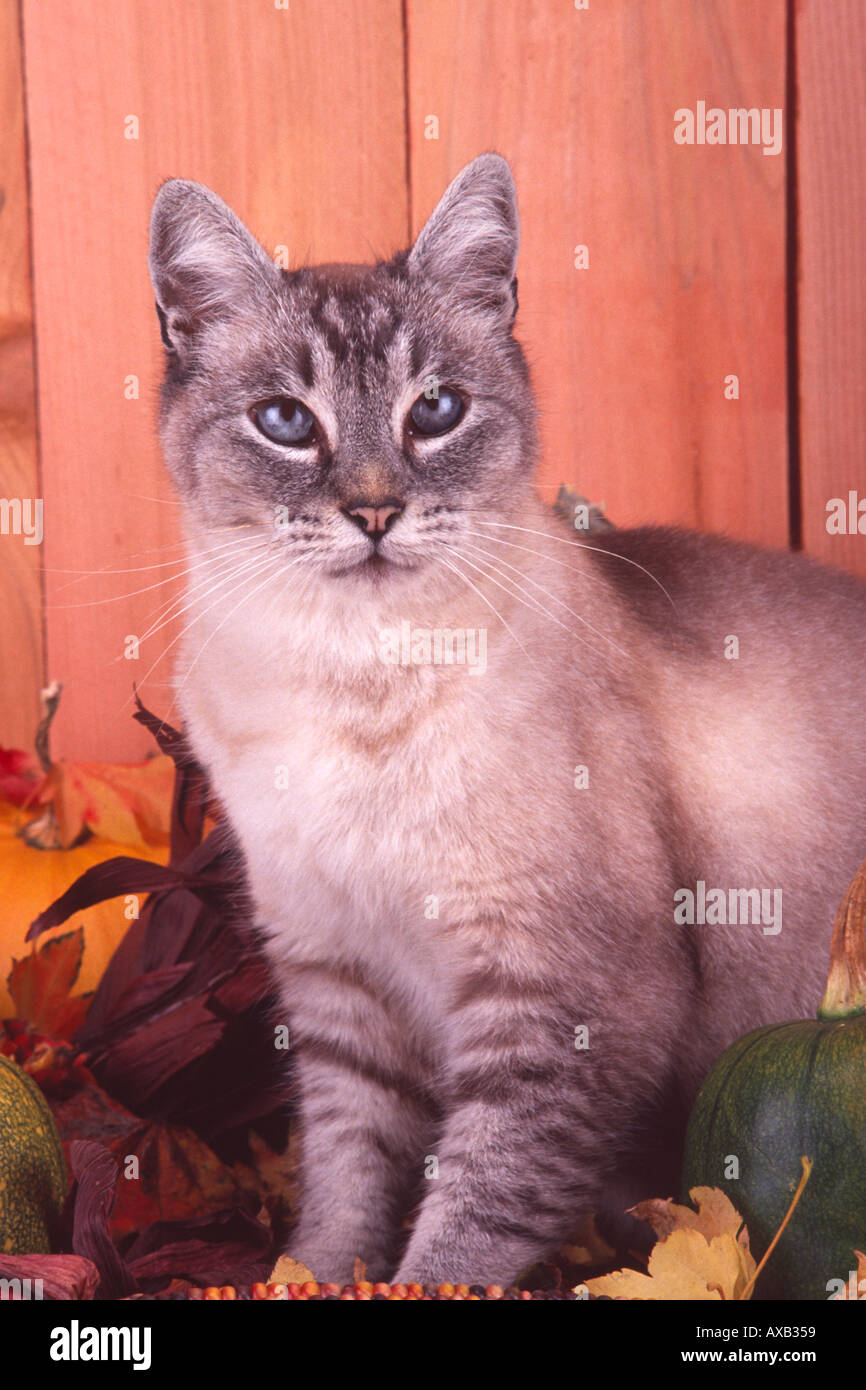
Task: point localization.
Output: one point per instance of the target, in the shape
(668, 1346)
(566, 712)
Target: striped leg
(504, 1198)
(366, 1123)
(363, 1139)
(520, 1155)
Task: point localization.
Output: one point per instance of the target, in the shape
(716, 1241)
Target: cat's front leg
(500, 1201)
(365, 1128)
(522, 1153)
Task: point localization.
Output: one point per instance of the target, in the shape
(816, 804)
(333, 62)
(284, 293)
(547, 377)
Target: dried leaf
(114, 878)
(586, 1245)
(686, 1265)
(91, 1113)
(177, 1176)
(62, 1276)
(716, 1215)
(95, 1173)
(179, 1028)
(702, 1255)
(41, 985)
(272, 1177)
(191, 793)
(289, 1271)
(224, 1248)
(128, 805)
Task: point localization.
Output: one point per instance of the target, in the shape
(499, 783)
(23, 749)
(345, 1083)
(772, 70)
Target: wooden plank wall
(296, 118)
(831, 195)
(22, 670)
(686, 277)
(332, 127)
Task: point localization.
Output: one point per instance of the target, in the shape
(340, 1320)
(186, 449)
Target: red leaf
(41, 985)
(178, 1177)
(91, 1113)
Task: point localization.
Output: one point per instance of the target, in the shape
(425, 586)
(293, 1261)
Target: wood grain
(686, 278)
(831, 159)
(296, 118)
(21, 643)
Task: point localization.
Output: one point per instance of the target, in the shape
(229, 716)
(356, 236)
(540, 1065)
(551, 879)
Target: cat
(469, 876)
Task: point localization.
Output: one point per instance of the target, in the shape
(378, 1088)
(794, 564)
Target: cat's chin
(374, 569)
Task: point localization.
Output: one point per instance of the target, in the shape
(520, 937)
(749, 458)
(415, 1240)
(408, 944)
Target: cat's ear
(203, 262)
(468, 246)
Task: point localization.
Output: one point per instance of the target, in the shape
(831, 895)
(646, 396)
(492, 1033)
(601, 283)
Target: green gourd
(33, 1178)
(791, 1090)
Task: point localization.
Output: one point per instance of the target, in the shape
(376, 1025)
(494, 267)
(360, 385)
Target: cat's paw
(331, 1266)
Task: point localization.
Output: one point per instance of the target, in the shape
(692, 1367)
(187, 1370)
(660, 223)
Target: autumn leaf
(40, 986)
(716, 1215)
(686, 1265)
(699, 1256)
(230, 1247)
(586, 1245)
(178, 1176)
(289, 1271)
(127, 805)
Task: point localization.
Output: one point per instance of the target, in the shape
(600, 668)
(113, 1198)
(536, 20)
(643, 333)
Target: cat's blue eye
(285, 421)
(436, 414)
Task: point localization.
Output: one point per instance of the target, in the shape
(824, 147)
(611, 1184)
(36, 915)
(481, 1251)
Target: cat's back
(682, 585)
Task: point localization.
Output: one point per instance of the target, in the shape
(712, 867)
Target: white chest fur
(363, 795)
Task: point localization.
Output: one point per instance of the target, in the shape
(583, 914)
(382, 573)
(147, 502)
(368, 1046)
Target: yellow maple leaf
(716, 1215)
(700, 1255)
(686, 1265)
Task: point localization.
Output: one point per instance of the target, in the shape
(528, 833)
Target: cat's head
(368, 413)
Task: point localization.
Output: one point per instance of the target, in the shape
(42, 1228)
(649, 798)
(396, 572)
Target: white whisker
(277, 571)
(546, 535)
(228, 571)
(148, 588)
(466, 580)
(531, 602)
(262, 561)
(150, 550)
(603, 635)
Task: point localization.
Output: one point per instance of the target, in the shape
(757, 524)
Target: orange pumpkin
(32, 878)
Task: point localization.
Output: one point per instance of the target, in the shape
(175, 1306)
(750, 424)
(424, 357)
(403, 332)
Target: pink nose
(375, 521)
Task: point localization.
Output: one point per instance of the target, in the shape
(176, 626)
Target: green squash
(792, 1090)
(33, 1178)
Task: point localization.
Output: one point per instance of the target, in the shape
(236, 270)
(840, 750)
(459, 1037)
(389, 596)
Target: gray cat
(535, 822)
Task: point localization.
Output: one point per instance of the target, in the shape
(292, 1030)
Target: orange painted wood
(686, 278)
(21, 649)
(831, 160)
(295, 117)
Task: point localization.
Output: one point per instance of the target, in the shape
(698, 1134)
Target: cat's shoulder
(688, 558)
(656, 567)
